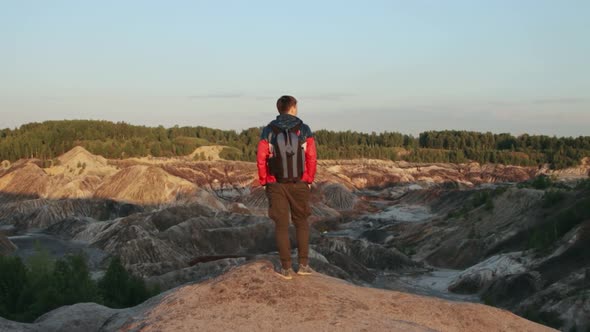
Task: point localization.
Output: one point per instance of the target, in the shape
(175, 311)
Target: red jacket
(263, 152)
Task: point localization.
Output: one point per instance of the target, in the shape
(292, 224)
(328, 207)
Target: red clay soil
(253, 297)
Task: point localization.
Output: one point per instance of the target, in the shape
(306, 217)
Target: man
(286, 159)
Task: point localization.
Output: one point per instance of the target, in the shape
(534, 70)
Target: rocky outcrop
(511, 289)
(252, 296)
(81, 317)
(513, 249)
(476, 233)
(481, 275)
(196, 273)
(565, 303)
(569, 255)
(338, 197)
(156, 242)
(554, 289)
(365, 253)
(42, 213)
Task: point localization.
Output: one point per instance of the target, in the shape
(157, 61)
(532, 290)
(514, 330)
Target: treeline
(560, 152)
(29, 290)
(49, 139)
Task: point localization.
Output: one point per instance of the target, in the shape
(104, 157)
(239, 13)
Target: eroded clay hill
(80, 174)
(252, 297)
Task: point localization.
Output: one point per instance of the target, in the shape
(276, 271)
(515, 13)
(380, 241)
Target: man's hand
(309, 185)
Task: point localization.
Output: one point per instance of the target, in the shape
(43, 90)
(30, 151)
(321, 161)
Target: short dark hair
(285, 103)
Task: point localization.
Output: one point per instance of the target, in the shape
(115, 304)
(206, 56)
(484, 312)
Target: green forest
(49, 139)
(40, 284)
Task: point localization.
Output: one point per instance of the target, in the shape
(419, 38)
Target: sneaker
(304, 270)
(286, 273)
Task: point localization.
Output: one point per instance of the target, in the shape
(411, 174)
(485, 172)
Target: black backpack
(287, 160)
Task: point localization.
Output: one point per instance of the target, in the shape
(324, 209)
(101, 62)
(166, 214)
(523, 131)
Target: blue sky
(407, 66)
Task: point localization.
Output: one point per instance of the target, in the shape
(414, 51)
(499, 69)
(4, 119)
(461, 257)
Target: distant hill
(49, 139)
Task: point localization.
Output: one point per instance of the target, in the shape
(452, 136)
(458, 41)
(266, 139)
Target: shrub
(545, 235)
(583, 185)
(541, 182)
(13, 280)
(119, 289)
(551, 198)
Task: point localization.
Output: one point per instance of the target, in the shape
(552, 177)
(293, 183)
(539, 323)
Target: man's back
(265, 150)
(286, 160)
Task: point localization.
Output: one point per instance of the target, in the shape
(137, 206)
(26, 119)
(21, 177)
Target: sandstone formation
(24, 180)
(80, 174)
(143, 185)
(208, 152)
(79, 157)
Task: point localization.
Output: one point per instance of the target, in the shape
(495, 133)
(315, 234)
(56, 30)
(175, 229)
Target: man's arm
(261, 156)
(262, 153)
(310, 159)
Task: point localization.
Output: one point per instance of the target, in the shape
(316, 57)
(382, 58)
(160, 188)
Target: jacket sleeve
(262, 154)
(310, 160)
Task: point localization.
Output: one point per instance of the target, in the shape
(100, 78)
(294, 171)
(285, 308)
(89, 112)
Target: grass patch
(481, 198)
(540, 182)
(230, 153)
(408, 251)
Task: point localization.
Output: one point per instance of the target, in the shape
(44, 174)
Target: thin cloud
(328, 96)
(542, 101)
(317, 97)
(265, 97)
(217, 96)
(559, 101)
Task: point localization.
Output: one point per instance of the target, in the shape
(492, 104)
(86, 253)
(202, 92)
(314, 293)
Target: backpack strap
(270, 146)
(275, 129)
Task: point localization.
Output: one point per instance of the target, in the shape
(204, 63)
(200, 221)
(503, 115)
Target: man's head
(287, 105)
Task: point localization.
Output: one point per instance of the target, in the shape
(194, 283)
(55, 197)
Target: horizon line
(315, 130)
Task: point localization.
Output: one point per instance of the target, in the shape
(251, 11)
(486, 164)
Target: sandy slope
(209, 152)
(143, 185)
(253, 298)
